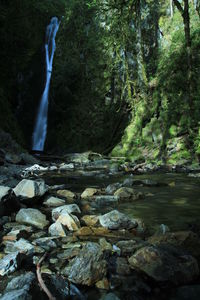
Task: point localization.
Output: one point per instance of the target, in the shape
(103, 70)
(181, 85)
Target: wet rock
(47, 243)
(127, 193)
(89, 192)
(30, 189)
(88, 267)
(66, 194)
(165, 264)
(70, 221)
(32, 216)
(117, 220)
(90, 220)
(54, 202)
(57, 229)
(105, 200)
(68, 209)
(186, 240)
(21, 246)
(9, 263)
(111, 188)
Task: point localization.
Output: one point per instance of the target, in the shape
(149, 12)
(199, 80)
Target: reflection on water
(176, 205)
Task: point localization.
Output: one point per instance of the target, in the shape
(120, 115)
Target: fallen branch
(40, 280)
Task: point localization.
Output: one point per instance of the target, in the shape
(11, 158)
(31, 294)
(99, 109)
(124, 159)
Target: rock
(129, 247)
(29, 189)
(105, 246)
(186, 240)
(105, 200)
(66, 167)
(4, 191)
(9, 263)
(89, 192)
(66, 194)
(16, 295)
(88, 267)
(32, 216)
(68, 220)
(69, 253)
(13, 158)
(14, 226)
(103, 284)
(111, 188)
(127, 193)
(68, 209)
(54, 202)
(21, 282)
(15, 235)
(47, 243)
(122, 266)
(92, 231)
(117, 220)
(28, 159)
(110, 296)
(165, 264)
(21, 246)
(90, 220)
(57, 229)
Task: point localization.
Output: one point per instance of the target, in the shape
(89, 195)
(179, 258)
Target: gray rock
(54, 202)
(111, 188)
(33, 217)
(4, 191)
(106, 200)
(21, 246)
(57, 229)
(46, 243)
(88, 267)
(9, 263)
(68, 209)
(117, 220)
(23, 281)
(29, 188)
(16, 295)
(165, 264)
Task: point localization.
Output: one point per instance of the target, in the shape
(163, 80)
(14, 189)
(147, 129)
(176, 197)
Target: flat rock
(9, 263)
(29, 188)
(54, 202)
(90, 220)
(68, 209)
(88, 267)
(165, 264)
(117, 220)
(32, 216)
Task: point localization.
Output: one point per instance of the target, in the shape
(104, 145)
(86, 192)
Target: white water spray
(40, 130)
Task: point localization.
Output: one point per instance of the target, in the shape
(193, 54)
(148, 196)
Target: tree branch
(178, 5)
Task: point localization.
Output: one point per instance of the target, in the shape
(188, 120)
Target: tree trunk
(171, 8)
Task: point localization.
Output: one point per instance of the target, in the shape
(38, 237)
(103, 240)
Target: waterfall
(40, 130)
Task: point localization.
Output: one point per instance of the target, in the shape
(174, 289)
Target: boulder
(29, 188)
(33, 217)
(117, 220)
(54, 202)
(88, 267)
(165, 264)
(68, 209)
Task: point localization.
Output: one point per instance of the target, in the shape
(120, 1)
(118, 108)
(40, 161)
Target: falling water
(40, 130)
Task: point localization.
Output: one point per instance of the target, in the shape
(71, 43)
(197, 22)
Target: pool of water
(176, 205)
